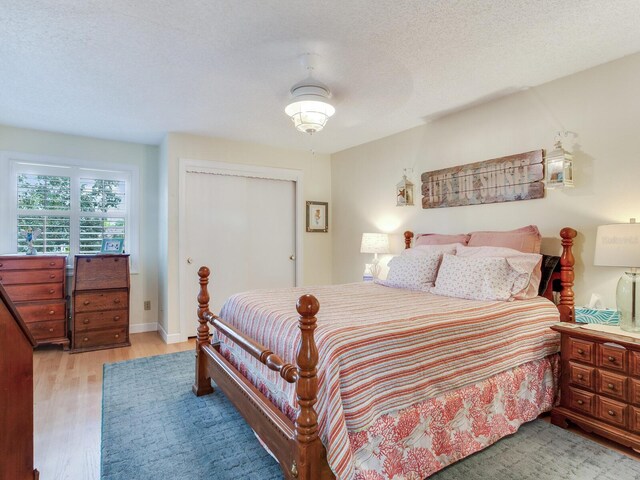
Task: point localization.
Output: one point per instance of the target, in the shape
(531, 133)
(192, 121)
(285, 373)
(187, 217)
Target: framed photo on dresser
(112, 245)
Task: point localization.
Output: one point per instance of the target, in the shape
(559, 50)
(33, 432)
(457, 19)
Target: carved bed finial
(567, 260)
(408, 235)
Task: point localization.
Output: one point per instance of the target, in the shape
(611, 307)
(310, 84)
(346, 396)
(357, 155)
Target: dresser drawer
(635, 419)
(100, 338)
(634, 359)
(581, 375)
(611, 411)
(39, 311)
(613, 357)
(31, 263)
(87, 302)
(104, 271)
(581, 350)
(634, 391)
(84, 322)
(13, 277)
(46, 330)
(40, 291)
(581, 401)
(612, 384)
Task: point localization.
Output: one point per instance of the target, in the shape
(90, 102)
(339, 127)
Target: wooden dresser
(37, 286)
(600, 384)
(16, 394)
(100, 302)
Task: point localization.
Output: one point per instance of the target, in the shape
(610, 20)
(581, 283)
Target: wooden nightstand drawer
(31, 263)
(87, 302)
(612, 356)
(612, 384)
(581, 401)
(46, 330)
(581, 375)
(611, 411)
(14, 277)
(83, 322)
(581, 350)
(40, 311)
(41, 291)
(101, 338)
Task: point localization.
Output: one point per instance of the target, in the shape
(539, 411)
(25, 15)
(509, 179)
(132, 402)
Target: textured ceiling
(134, 70)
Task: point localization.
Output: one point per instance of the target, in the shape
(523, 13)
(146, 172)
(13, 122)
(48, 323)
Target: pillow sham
(439, 239)
(482, 278)
(412, 272)
(535, 259)
(449, 248)
(526, 239)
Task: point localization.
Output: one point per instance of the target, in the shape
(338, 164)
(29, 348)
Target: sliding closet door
(243, 229)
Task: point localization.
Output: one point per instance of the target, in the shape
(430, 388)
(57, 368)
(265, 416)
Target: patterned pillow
(412, 272)
(481, 278)
(429, 249)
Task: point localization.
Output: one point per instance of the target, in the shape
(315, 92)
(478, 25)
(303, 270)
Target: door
(243, 228)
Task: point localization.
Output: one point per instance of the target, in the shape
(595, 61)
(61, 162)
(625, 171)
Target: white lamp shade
(618, 245)
(374, 243)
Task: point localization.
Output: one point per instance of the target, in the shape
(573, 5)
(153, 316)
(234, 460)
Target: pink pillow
(531, 290)
(526, 239)
(421, 250)
(439, 239)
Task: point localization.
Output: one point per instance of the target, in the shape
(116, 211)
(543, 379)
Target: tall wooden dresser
(100, 302)
(36, 285)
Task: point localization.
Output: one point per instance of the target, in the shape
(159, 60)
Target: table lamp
(618, 245)
(374, 243)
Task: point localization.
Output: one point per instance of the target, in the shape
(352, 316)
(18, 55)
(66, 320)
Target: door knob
(189, 260)
(292, 257)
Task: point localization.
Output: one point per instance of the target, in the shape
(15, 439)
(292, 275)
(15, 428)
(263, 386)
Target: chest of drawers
(100, 302)
(37, 286)
(600, 384)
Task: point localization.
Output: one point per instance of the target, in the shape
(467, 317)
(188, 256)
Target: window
(71, 209)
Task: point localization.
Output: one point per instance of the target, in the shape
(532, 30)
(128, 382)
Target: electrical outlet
(147, 304)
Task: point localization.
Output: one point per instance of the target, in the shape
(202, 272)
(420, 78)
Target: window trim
(47, 165)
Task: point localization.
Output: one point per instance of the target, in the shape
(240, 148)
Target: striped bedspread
(384, 349)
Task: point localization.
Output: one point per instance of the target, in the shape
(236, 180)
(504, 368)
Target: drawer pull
(52, 276)
(611, 359)
(85, 321)
(580, 376)
(117, 335)
(611, 413)
(117, 300)
(611, 386)
(0, 265)
(580, 351)
(51, 330)
(51, 290)
(116, 318)
(51, 312)
(52, 264)
(86, 302)
(85, 339)
(580, 402)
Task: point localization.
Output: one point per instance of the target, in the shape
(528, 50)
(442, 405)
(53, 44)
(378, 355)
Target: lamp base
(628, 301)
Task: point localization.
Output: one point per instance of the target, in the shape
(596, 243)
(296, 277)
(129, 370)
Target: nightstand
(600, 383)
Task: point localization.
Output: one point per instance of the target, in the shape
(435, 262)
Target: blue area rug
(153, 427)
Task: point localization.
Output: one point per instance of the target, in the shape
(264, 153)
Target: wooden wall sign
(506, 179)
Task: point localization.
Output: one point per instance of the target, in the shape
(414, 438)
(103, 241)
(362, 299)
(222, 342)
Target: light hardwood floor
(68, 405)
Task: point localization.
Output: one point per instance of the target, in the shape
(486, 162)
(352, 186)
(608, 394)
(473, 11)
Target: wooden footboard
(296, 445)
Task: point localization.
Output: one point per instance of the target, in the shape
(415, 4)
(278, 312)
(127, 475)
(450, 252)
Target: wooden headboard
(566, 275)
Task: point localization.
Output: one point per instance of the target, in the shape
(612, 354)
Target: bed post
(202, 384)
(310, 449)
(407, 239)
(566, 304)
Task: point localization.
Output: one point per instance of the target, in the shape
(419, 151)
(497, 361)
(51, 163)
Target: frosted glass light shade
(628, 301)
(309, 108)
(618, 245)
(374, 243)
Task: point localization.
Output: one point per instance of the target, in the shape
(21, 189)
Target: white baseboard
(173, 338)
(143, 327)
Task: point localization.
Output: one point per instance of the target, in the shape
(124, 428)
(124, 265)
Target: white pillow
(429, 249)
(412, 272)
(523, 261)
(482, 278)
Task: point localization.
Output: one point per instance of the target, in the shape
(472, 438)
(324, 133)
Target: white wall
(602, 105)
(144, 284)
(317, 186)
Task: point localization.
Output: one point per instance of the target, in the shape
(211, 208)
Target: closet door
(243, 229)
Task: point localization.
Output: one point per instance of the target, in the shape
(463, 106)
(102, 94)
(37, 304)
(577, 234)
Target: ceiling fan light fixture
(309, 108)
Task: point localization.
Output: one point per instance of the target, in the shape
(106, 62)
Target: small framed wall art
(317, 216)
(112, 245)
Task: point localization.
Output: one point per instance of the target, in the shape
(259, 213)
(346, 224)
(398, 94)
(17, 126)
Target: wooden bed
(296, 444)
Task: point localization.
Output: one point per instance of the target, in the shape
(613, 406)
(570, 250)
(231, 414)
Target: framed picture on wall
(317, 216)
(112, 245)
